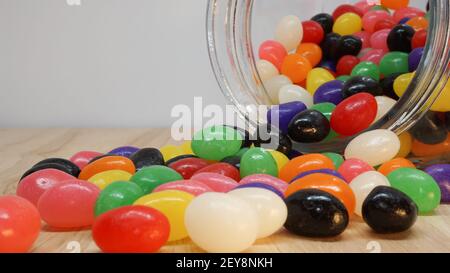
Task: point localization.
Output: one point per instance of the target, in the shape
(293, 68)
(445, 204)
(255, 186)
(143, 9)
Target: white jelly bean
(274, 85)
(289, 32)
(374, 147)
(271, 209)
(363, 184)
(292, 92)
(266, 70)
(385, 104)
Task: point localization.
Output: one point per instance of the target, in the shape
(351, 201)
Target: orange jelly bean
(394, 164)
(296, 67)
(418, 23)
(305, 163)
(326, 182)
(106, 164)
(310, 51)
(395, 4)
(422, 149)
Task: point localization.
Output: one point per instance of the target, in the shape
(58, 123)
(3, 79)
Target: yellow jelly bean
(280, 158)
(103, 179)
(316, 77)
(442, 103)
(405, 145)
(186, 147)
(347, 24)
(172, 204)
(402, 82)
(171, 151)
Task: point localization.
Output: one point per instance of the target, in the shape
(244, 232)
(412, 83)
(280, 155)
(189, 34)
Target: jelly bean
(346, 64)
(322, 171)
(216, 142)
(289, 32)
(221, 168)
(258, 161)
(147, 157)
(294, 93)
(117, 194)
(380, 7)
(316, 77)
(414, 58)
(131, 229)
(125, 151)
(336, 158)
(395, 4)
(312, 52)
(374, 56)
(273, 52)
(387, 210)
(180, 157)
(188, 166)
(270, 209)
(430, 129)
(306, 220)
(399, 39)
(418, 23)
(402, 82)
(268, 139)
(352, 168)
(151, 177)
(354, 114)
(371, 18)
(35, 184)
(274, 85)
(441, 174)
(419, 39)
(384, 105)
(387, 84)
(190, 186)
(69, 205)
(379, 39)
(296, 67)
(365, 6)
(247, 141)
(309, 126)
(261, 186)
(280, 115)
(419, 186)
(326, 108)
(54, 163)
(362, 186)
(171, 151)
(325, 20)
(217, 182)
(280, 158)
(219, 222)
(421, 149)
(20, 224)
(172, 204)
(404, 20)
(329, 46)
(105, 164)
(367, 69)
(233, 160)
(329, 65)
(103, 179)
(81, 159)
(312, 32)
(394, 164)
(329, 183)
(364, 36)
(394, 62)
(348, 45)
(347, 24)
(384, 24)
(329, 92)
(305, 163)
(265, 179)
(442, 103)
(405, 144)
(97, 158)
(186, 147)
(409, 12)
(342, 9)
(266, 70)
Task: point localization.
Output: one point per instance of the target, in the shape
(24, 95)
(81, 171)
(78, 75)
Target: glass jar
(236, 28)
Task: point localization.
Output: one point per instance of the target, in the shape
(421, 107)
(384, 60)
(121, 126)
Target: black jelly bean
(387, 84)
(400, 37)
(269, 138)
(309, 126)
(247, 142)
(325, 20)
(175, 159)
(359, 84)
(430, 129)
(99, 157)
(147, 157)
(51, 165)
(329, 46)
(348, 45)
(71, 168)
(233, 160)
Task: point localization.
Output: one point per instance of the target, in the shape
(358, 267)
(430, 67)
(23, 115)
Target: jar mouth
(234, 65)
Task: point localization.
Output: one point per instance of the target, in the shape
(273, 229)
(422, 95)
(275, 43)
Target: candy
(316, 77)
(216, 142)
(106, 164)
(261, 186)
(367, 69)
(103, 179)
(219, 222)
(419, 186)
(171, 151)
(441, 174)
(399, 39)
(405, 144)
(347, 24)
(151, 177)
(414, 58)
(125, 151)
(418, 23)
(352, 168)
(81, 159)
(270, 208)
(258, 161)
(306, 220)
(323, 171)
(394, 164)
(384, 24)
(387, 210)
(117, 194)
(394, 62)
(395, 4)
(346, 64)
(266, 138)
(329, 92)
(190, 186)
(309, 126)
(384, 105)
(374, 147)
(325, 20)
(273, 52)
(131, 229)
(342, 9)
(371, 18)
(421, 149)
(312, 52)
(147, 157)
(280, 158)
(172, 204)
(223, 169)
(180, 157)
(419, 39)
(217, 182)
(402, 82)
(186, 147)
(329, 46)
(326, 108)
(280, 115)
(294, 93)
(20, 224)
(289, 32)
(388, 85)
(374, 56)
(265, 179)
(305, 163)
(312, 32)
(361, 83)
(54, 163)
(296, 67)
(69, 204)
(379, 40)
(35, 184)
(266, 70)
(364, 36)
(336, 158)
(348, 45)
(232, 160)
(274, 85)
(188, 166)
(362, 186)
(430, 129)
(442, 103)
(365, 6)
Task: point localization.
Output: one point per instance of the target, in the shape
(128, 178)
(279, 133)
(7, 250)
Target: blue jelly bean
(329, 92)
(293, 154)
(441, 173)
(262, 186)
(324, 171)
(414, 58)
(125, 151)
(404, 20)
(285, 112)
(329, 64)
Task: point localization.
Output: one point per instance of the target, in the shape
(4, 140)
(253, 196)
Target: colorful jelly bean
(289, 32)
(347, 24)
(329, 92)
(117, 194)
(258, 161)
(273, 52)
(188, 166)
(309, 126)
(103, 179)
(224, 169)
(316, 77)
(394, 164)
(441, 174)
(352, 168)
(106, 164)
(296, 67)
(190, 186)
(54, 163)
(305, 163)
(217, 182)
(81, 159)
(359, 83)
(125, 151)
(265, 179)
(312, 32)
(280, 115)
(362, 186)
(147, 157)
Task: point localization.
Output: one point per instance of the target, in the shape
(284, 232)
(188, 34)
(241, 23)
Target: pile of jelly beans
(222, 190)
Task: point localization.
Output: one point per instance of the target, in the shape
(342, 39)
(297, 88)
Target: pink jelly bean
(365, 38)
(265, 179)
(379, 39)
(35, 184)
(273, 52)
(69, 204)
(82, 158)
(353, 167)
(217, 182)
(372, 17)
(374, 56)
(365, 5)
(409, 12)
(190, 186)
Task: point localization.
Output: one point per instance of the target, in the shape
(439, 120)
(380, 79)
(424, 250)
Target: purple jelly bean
(325, 171)
(125, 151)
(261, 186)
(414, 58)
(285, 112)
(293, 154)
(441, 173)
(329, 92)
(404, 20)
(328, 64)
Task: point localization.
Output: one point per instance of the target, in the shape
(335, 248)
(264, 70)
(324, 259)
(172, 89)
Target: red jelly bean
(379, 40)
(384, 24)
(225, 169)
(131, 229)
(346, 65)
(81, 159)
(188, 166)
(374, 56)
(419, 39)
(409, 12)
(273, 52)
(20, 224)
(342, 9)
(372, 17)
(354, 114)
(353, 167)
(312, 32)
(365, 38)
(365, 6)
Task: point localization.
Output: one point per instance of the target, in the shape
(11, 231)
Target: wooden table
(21, 148)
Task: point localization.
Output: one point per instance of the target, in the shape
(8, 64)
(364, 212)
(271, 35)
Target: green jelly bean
(117, 194)
(368, 69)
(241, 152)
(336, 158)
(258, 161)
(326, 108)
(149, 178)
(394, 62)
(216, 142)
(343, 78)
(379, 7)
(419, 186)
